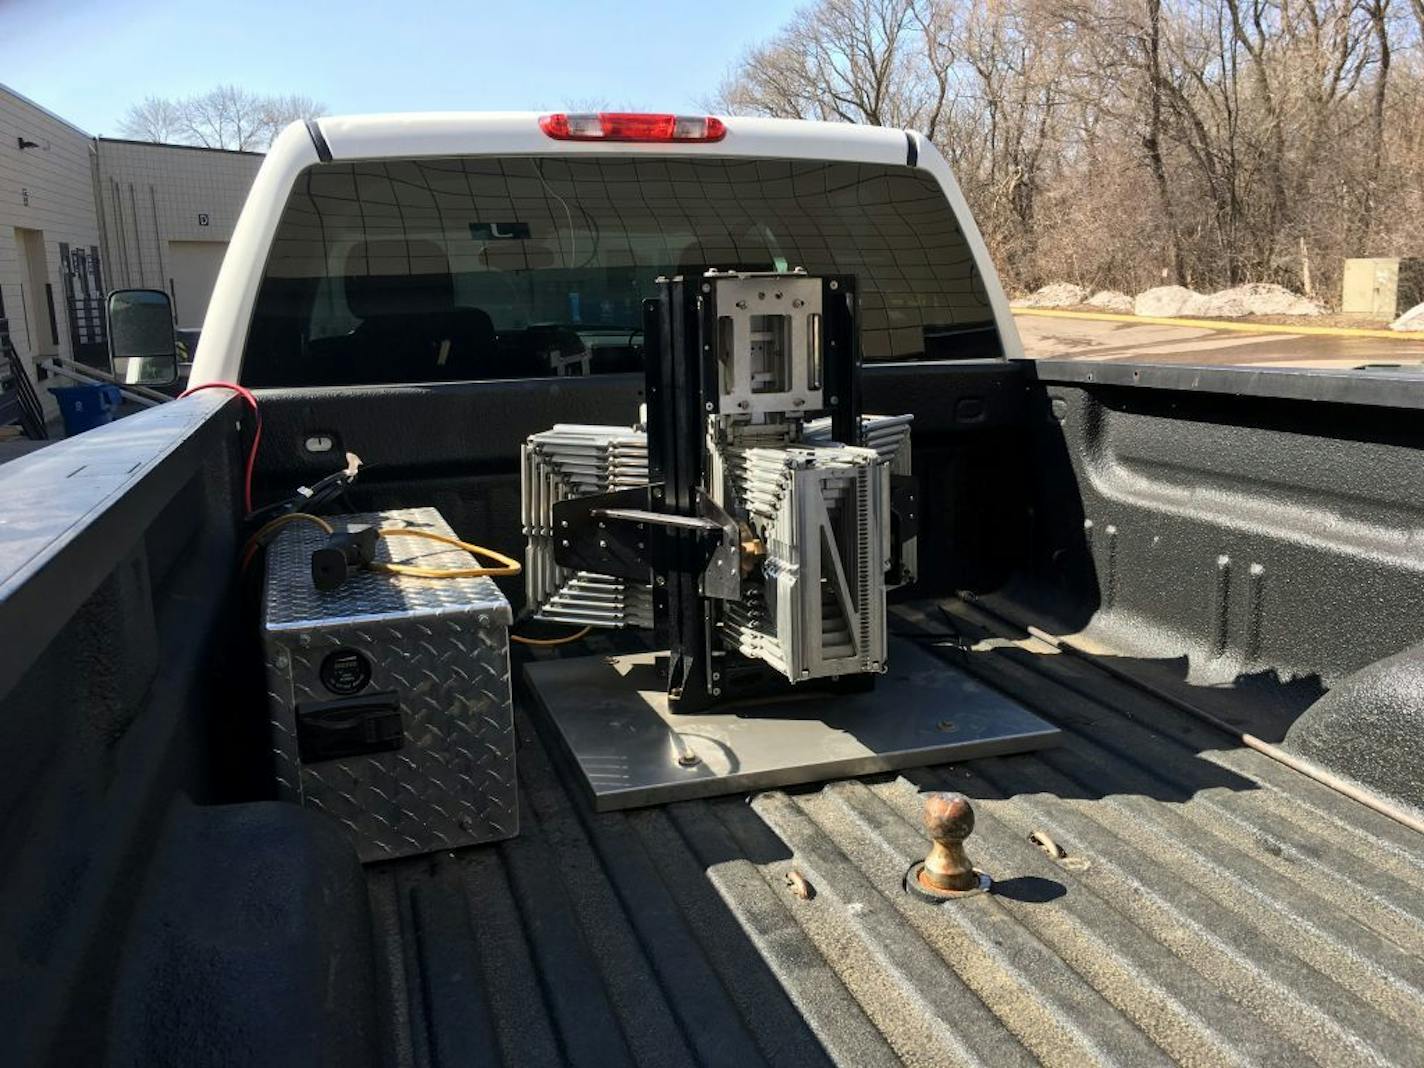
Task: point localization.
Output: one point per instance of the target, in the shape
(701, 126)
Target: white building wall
(167, 213)
(47, 188)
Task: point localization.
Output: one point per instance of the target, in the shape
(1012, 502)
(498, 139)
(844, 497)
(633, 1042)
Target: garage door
(192, 271)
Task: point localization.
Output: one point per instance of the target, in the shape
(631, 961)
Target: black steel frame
(680, 332)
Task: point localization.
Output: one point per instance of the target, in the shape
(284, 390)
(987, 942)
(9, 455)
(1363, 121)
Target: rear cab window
(534, 266)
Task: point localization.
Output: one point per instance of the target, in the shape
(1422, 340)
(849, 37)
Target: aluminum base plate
(610, 717)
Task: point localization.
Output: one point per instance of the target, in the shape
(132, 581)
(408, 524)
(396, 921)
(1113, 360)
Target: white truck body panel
(434, 135)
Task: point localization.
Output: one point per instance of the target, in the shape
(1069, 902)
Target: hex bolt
(946, 872)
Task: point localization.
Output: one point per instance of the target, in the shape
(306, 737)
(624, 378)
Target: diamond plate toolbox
(390, 697)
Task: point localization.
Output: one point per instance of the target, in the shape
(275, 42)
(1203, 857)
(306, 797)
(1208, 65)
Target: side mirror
(143, 349)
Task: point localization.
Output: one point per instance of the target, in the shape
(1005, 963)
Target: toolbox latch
(354, 726)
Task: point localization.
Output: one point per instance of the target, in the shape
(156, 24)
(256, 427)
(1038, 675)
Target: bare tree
(1118, 142)
(156, 119)
(225, 117)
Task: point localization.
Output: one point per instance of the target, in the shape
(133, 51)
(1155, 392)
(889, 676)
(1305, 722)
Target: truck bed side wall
(142, 913)
(1253, 523)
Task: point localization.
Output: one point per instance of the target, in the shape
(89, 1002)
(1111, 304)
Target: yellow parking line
(1223, 324)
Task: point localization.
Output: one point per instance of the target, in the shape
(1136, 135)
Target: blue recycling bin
(85, 407)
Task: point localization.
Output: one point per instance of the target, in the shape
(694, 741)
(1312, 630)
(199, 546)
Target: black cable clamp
(343, 552)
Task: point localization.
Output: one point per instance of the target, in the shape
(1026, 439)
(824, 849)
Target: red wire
(245, 394)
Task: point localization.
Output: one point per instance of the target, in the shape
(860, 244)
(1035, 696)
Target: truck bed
(1211, 906)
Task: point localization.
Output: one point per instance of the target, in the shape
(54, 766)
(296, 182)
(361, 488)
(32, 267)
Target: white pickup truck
(1207, 579)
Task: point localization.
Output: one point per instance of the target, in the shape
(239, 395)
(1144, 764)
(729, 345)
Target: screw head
(835, 285)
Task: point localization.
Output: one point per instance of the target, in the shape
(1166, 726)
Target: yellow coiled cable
(505, 565)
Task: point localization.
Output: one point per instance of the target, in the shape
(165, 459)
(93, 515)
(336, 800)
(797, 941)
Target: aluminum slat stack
(567, 461)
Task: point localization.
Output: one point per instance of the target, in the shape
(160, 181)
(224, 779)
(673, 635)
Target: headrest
(398, 276)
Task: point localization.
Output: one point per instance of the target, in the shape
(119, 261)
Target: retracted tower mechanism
(756, 521)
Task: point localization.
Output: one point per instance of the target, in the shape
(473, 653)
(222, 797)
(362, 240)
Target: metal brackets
(622, 535)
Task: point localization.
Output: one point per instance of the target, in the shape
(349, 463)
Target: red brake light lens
(631, 126)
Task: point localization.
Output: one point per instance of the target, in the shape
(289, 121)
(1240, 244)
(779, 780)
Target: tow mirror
(143, 348)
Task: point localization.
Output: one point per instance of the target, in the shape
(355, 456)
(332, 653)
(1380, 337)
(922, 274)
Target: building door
(193, 271)
(42, 332)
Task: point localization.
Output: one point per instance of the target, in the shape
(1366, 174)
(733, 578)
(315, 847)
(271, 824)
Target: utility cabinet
(1382, 288)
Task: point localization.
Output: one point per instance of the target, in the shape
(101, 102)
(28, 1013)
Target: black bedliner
(1212, 907)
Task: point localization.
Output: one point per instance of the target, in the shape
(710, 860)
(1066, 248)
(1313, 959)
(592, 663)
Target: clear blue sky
(87, 60)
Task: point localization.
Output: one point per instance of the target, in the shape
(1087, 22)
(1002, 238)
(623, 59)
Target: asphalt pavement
(1090, 339)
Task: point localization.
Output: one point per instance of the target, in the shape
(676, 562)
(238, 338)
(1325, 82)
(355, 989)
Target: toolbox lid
(290, 601)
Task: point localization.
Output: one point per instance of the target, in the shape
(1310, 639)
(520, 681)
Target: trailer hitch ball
(947, 872)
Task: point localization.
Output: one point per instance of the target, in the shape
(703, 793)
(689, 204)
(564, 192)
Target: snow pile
(1179, 302)
(1257, 298)
(1057, 295)
(1166, 302)
(1111, 300)
(1254, 298)
(1413, 319)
